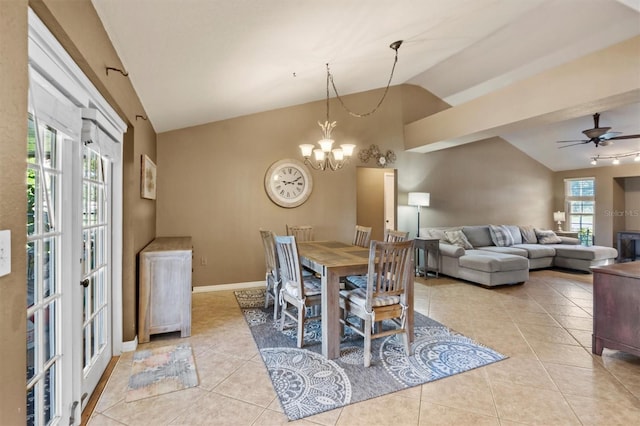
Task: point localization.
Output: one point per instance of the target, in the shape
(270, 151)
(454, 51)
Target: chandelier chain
(355, 114)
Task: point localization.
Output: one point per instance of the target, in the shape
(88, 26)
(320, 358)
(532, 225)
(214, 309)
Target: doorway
(376, 199)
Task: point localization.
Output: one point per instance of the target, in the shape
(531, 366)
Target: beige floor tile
(274, 418)
(214, 367)
(219, 410)
(433, 414)
(385, 410)
(540, 318)
(569, 311)
(575, 323)
(161, 409)
(562, 354)
(547, 334)
(582, 336)
(590, 382)
(521, 371)
(468, 391)
(530, 406)
(603, 412)
(102, 420)
(249, 383)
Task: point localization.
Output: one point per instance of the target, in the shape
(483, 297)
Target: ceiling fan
(600, 136)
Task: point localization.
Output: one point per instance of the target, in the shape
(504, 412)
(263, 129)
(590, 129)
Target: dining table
(332, 260)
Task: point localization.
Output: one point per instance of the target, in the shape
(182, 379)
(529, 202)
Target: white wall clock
(288, 183)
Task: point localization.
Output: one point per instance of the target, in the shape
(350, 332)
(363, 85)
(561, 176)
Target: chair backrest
(391, 270)
(362, 236)
(289, 262)
(270, 258)
(391, 235)
(301, 232)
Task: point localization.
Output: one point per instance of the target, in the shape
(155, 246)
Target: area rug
(307, 383)
(161, 370)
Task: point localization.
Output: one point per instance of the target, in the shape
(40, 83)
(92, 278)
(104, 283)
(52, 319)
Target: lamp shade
(558, 216)
(419, 199)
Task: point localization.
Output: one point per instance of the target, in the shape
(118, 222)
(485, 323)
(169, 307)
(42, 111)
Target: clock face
(288, 183)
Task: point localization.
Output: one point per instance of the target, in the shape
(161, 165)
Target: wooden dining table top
(333, 253)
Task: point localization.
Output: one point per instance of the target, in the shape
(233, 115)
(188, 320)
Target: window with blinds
(580, 203)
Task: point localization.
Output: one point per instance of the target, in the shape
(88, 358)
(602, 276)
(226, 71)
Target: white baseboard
(223, 287)
(130, 346)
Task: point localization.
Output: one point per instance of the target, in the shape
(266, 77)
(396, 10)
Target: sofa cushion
(433, 233)
(458, 238)
(586, 253)
(500, 235)
(478, 236)
(493, 262)
(515, 233)
(528, 235)
(506, 250)
(547, 237)
(537, 251)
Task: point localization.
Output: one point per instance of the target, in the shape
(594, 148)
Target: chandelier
(326, 157)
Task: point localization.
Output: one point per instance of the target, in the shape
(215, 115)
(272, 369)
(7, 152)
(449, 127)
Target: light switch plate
(5, 252)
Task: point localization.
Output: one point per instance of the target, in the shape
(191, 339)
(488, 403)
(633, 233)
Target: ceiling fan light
(596, 133)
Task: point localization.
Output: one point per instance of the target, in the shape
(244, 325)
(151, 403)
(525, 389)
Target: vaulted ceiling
(198, 61)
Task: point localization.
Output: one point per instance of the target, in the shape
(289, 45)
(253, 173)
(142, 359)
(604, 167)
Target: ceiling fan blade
(625, 137)
(610, 135)
(567, 146)
(576, 141)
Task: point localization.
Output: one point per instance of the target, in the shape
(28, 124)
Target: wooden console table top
(627, 269)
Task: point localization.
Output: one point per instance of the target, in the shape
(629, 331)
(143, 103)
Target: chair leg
(276, 304)
(267, 293)
(407, 345)
(301, 313)
(282, 314)
(367, 342)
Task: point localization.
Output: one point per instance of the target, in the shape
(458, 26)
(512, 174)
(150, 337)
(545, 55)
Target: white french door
(74, 226)
(95, 274)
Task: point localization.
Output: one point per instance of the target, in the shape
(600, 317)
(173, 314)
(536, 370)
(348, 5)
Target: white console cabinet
(165, 287)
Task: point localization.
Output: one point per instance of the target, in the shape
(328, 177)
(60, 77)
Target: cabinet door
(166, 293)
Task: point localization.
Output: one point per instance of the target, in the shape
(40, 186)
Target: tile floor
(544, 326)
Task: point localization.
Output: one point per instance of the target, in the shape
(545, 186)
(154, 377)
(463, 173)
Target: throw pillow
(528, 235)
(458, 238)
(515, 233)
(547, 237)
(500, 236)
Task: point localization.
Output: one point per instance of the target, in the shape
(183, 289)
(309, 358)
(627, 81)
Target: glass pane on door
(44, 351)
(95, 268)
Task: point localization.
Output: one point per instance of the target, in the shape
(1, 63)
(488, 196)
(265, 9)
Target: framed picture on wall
(148, 178)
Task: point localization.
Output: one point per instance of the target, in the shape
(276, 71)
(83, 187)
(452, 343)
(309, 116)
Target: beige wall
(211, 181)
(13, 205)
(631, 211)
(609, 197)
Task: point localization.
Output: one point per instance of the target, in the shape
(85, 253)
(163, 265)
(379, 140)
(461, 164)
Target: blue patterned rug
(307, 383)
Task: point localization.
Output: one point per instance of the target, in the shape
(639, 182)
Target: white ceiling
(197, 61)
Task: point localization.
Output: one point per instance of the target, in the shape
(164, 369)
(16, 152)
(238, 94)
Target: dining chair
(362, 236)
(392, 235)
(301, 232)
(298, 291)
(272, 277)
(360, 281)
(384, 300)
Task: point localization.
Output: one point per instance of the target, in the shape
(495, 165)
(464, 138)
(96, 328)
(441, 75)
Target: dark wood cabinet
(616, 308)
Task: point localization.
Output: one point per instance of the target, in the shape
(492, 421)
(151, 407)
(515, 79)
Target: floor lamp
(419, 199)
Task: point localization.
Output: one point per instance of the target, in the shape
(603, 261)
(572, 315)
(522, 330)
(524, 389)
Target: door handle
(85, 283)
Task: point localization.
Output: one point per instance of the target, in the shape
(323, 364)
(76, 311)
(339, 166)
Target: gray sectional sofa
(503, 254)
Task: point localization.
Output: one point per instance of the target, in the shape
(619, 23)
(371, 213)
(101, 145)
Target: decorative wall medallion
(373, 152)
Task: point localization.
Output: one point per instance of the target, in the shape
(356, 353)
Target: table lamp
(559, 218)
(419, 199)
